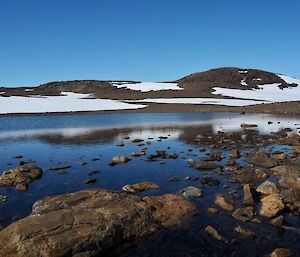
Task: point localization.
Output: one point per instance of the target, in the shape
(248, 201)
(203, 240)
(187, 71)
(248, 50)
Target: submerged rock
(191, 191)
(282, 252)
(89, 223)
(20, 177)
(215, 234)
(138, 187)
(119, 159)
(243, 214)
(225, 203)
(244, 232)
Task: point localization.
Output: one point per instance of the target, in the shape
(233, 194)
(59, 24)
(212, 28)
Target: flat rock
(271, 205)
(20, 177)
(89, 223)
(224, 202)
(138, 187)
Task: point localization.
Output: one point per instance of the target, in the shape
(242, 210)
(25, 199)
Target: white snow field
(213, 101)
(147, 86)
(69, 102)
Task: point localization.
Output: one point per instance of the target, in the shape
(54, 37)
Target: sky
(144, 40)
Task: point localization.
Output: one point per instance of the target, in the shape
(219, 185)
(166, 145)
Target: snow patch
(243, 71)
(69, 102)
(289, 80)
(213, 101)
(243, 82)
(147, 86)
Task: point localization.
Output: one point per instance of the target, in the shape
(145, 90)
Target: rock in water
(119, 159)
(271, 205)
(215, 234)
(244, 232)
(263, 159)
(281, 252)
(191, 191)
(89, 223)
(267, 188)
(20, 177)
(249, 192)
(138, 187)
(224, 202)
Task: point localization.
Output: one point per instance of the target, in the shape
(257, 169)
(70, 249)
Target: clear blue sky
(153, 40)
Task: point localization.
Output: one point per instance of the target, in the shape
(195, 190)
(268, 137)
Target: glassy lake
(88, 142)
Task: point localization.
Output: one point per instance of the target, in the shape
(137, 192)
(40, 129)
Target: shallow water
(70, 139)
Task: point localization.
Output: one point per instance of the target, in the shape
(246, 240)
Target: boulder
(20, 177)
(138, 187)
(191, 191)
(90, 223)
(224, 202)
(267, 188)
(281, 252)
(271, 205)
(249, 194)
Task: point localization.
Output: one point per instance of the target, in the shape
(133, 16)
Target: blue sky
(153, 40)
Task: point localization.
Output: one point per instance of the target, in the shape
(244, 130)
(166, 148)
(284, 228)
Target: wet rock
(278, 221)
(82, 163)
(90, 181)
(209, 181)
(263, 159)
(248, 125)
(20, 177)
(291, 197)
(249, 194)
(18, 156)
(296, 149)
(224, 202)
(215, 234)
(174, 179)
(279, 156)
(137, 140)
(3, 198)
(170, 208)
(61, 167)
(267, 188)
(235, 153)
(282, 252)
(191, 191)
(244, 232)
(243, 214)
(138, 187)
(212, 210)
(93, 172)
(119, 160)
(89, 223)
(206, 165)
(271, 205)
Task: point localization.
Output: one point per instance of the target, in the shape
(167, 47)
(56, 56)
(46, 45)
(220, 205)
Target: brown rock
(248, 125)
(271, 205)
(244, 214)
(225, 202)
(281, 252)
(215, 234)
(267, 188)
(249, 193)
(263, 159)
(244, 232)
(20, 177)
(119, 159)
(138, 187)
(89, 223)
(278, 221)
(170, 208)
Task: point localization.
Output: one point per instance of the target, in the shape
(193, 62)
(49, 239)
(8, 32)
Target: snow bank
(268, 92)
(289, 80)
(70, 102)
(147, 86)
(213, 101)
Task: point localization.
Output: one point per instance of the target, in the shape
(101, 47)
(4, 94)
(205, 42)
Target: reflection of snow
(69, 102)
(147, 86)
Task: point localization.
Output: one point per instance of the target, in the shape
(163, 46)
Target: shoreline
(285, 108)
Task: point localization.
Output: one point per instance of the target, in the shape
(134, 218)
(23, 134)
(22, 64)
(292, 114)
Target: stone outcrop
(20, 177)
(90, 222)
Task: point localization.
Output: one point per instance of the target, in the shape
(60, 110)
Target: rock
(191, 191)
(62, 167)
(170, 208)
(278, 221)
(89, 223)
(243, 214)
(215, 234)
(3, 198)
(93, 172)
(263, 159)
(206, 165)
(212, 210)
(244, 232)
(225, 203)
(282, 252)
(248, 125)
(235, 153)
(279, 156)
(137, 140)
(271, 205)
(209, 181)
(296, 149)
(18, 156)
(138, 187)
(267, 188)
(20, 177)
(119, 159)
(249, 193)
(90, 181)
